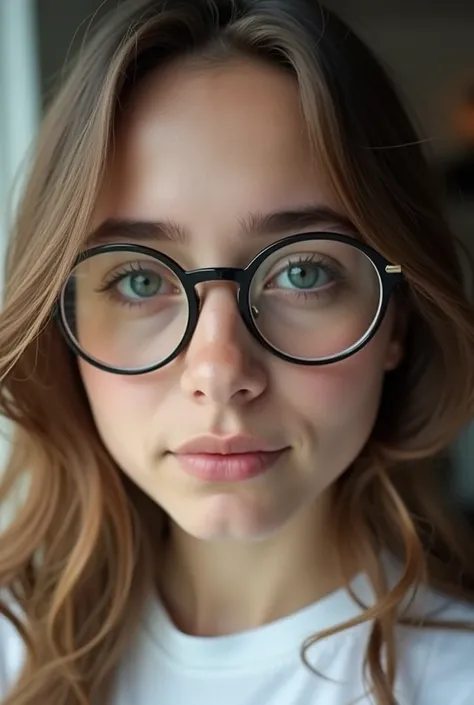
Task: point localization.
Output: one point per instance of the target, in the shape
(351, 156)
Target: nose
(219, 367)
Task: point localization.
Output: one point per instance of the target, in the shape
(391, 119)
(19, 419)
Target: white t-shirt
(262, 666)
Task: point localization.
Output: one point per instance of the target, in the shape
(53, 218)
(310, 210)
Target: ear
(394, 356)
(396, 343)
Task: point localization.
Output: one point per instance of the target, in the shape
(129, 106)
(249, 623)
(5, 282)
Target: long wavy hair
(75, 557)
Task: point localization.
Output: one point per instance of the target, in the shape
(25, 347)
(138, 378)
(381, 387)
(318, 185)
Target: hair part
(76, 557)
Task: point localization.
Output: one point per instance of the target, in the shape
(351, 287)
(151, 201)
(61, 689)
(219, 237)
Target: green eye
(140, 285)
(304, 276)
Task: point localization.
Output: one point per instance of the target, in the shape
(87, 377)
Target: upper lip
(225, 445)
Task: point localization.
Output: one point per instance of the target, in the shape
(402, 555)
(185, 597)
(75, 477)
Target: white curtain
(19, 115)
(19, 97)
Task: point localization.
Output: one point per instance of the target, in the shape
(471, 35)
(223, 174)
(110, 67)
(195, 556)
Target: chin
(226, 517)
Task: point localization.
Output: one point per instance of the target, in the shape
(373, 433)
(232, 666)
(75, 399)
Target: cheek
(340, 394)
(125, 408)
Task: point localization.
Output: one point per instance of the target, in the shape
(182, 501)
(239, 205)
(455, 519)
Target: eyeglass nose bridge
(235, 275)
(221, 274)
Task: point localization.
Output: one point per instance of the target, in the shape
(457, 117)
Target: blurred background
(427, 45)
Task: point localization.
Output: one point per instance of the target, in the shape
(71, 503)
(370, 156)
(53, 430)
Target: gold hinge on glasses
(393, 268)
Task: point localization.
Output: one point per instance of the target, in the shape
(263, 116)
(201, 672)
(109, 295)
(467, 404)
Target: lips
(231, 459)
(226, 445)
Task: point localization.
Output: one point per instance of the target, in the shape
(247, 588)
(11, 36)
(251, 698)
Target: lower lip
(227, 468)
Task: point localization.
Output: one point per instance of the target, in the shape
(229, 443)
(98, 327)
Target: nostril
(244, 394)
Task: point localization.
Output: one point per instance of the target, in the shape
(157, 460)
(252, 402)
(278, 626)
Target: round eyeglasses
(310, 299)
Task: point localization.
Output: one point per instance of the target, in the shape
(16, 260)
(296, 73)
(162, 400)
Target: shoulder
(442, 657)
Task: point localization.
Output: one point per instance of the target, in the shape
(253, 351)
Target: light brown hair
(77, 555)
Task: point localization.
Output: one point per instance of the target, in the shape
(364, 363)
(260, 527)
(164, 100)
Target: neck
(213, 588)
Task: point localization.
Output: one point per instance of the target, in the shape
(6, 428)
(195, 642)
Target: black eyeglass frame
(390, 275)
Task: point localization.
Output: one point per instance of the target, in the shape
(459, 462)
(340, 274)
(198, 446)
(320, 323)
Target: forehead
(205, 147)
(224, 109)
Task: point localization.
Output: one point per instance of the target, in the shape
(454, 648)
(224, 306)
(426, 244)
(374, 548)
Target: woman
(235, 344)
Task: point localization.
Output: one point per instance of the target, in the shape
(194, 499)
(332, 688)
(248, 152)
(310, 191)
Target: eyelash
(324, 262)
(117, 276)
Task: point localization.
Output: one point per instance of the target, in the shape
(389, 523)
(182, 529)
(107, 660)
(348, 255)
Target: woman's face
(204, 150)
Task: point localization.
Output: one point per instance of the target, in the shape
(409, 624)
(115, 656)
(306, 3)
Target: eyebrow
(254, 224)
